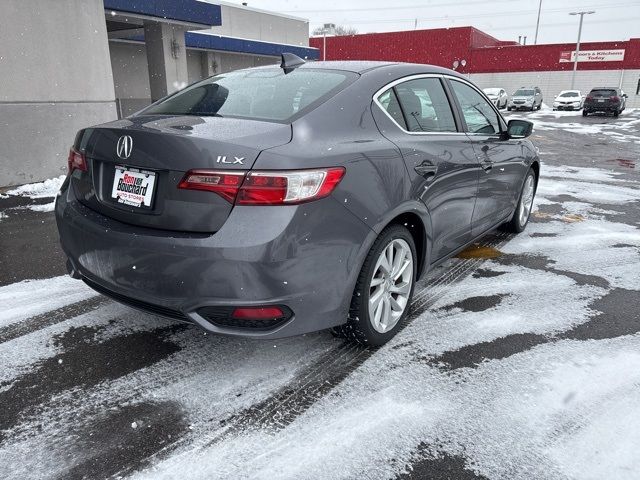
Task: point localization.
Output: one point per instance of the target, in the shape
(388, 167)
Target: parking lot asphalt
(521, 358)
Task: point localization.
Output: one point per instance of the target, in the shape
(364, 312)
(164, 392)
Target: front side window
(478, 113)
(425, 106)
(264, 94)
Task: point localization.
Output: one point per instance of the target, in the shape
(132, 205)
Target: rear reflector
(287, 187)
(257, 313)
(76, 161)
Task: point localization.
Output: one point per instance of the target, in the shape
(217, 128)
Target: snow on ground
(555, 408)
(562, 409)
(47, 189)
(624, 129)
(31, 297)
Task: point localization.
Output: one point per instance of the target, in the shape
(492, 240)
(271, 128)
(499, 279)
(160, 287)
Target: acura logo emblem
(125, 144)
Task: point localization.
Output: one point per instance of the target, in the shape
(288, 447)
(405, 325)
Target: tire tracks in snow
(47, 319)
(280, 409)
(273, 413)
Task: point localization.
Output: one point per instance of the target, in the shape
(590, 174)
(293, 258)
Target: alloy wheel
(390, 285)
(526, 202)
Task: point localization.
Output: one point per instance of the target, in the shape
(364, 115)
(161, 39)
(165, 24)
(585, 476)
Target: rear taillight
(76, 161)
(225, 184)
(615, 98)
(288, 187)
(589, 97)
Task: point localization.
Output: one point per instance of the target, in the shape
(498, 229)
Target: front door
(501, 159)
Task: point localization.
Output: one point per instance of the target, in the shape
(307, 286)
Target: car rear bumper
(305, 258)
(602, 108)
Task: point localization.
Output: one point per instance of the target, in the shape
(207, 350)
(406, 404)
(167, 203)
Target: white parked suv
(568, 100)
(498, 96)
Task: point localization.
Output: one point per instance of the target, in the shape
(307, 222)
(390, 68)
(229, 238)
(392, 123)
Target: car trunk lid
(152, 155)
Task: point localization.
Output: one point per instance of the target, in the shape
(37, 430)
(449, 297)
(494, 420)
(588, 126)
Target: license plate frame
(134, 187)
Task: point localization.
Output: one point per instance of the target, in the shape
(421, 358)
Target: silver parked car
(526, 98)
(498, 96)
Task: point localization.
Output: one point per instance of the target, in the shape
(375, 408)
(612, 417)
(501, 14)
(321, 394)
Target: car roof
(366, 66)
(357, 66)
(604, 88)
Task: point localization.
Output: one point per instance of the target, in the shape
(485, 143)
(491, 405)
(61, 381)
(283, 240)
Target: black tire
(584, 113)
(616, 113)
(508, 109)
(514, 225)
(359, 328)
(540, 106)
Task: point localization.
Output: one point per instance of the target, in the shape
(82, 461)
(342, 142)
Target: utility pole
(535, 40)
(324, 44)
(329, 28)
(575, 61)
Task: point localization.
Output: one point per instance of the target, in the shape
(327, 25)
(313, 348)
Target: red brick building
(494, 63)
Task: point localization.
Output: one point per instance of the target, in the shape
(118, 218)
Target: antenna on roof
(289, 62)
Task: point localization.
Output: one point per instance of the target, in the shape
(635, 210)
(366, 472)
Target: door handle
(426, 170)
(486, 164)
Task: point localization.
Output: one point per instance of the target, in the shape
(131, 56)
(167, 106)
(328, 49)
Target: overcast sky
(504, 19)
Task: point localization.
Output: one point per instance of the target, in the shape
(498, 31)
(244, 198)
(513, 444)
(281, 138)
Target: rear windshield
(263, 94)
(523, 93)
(569, 94)
(492, 91)
(603, 93)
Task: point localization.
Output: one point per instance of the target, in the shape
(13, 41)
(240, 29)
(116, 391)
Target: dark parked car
(605, 100)
(271, 202)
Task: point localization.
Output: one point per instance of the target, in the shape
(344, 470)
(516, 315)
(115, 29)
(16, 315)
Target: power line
(400, 7)
(509, 27)
(435, 5)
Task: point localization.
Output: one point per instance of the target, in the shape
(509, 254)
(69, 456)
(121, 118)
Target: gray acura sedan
(271, 202)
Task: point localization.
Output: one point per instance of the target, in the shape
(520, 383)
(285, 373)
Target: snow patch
(25, 299)
(48, 188)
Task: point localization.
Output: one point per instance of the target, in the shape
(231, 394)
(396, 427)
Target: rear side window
(263, 94)
(479, 116)
(389, 102)
(425, 106)
(419, 105)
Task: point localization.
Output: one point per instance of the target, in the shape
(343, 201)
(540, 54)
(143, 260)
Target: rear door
(501, 159)
(416, 115)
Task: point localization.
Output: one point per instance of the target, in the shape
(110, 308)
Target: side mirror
(625, 95)
(519, 128)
